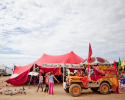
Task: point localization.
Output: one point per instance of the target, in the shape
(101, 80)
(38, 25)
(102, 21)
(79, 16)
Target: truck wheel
(67, 90)
(75, 90)
(104, 88)
(95, 89)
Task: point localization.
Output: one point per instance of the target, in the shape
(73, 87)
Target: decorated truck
(104, 81)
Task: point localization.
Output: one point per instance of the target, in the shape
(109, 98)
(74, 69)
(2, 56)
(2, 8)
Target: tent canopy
(96, 60)
(8, 70)
(69, 58)
(2, 67)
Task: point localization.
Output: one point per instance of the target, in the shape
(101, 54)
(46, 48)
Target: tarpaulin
(98, 73)
(19, 70)
(58, 72)
(97, 70)
(20, 79)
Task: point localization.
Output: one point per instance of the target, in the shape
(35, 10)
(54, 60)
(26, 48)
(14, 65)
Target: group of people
(122, 76)
(49, 80)
(84, 71)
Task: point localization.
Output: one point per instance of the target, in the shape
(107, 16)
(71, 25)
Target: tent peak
(71, 52)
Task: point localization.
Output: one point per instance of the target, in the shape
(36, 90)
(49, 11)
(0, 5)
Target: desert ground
(59, 93)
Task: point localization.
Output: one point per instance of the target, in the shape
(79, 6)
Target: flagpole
(88, 64)
(89, 61)
(34, 67)
(88, 67)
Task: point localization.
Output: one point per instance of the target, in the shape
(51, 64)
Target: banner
(60, 65)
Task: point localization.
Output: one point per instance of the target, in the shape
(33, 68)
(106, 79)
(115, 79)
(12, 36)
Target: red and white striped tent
(95, 61)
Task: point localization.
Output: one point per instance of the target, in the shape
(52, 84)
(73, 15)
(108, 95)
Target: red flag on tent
(89, 61)
(90, 53)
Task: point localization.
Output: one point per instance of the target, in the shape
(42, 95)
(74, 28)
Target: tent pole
(34, 67)
(30, 81)
(63, 74)
(13, 67)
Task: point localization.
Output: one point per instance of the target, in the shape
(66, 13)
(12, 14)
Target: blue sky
(30, 28)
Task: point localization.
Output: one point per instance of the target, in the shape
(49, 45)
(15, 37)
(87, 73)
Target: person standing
(47, 82)
(40, 82)
(123, 81)
(51, 83)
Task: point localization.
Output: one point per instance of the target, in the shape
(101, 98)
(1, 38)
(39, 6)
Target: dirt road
(59, 94)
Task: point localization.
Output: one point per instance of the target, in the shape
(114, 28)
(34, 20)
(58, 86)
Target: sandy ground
(59, 94)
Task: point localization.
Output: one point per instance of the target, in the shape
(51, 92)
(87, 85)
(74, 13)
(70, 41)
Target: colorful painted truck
(75, 84)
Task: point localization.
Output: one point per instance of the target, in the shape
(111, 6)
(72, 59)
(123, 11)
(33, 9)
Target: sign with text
(60, 65)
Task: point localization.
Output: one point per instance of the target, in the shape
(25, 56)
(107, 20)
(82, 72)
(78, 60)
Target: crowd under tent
(47, 63)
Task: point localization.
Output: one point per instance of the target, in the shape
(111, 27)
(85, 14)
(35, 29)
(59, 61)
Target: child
(51, 83)
(40, 82)
(47, 82)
